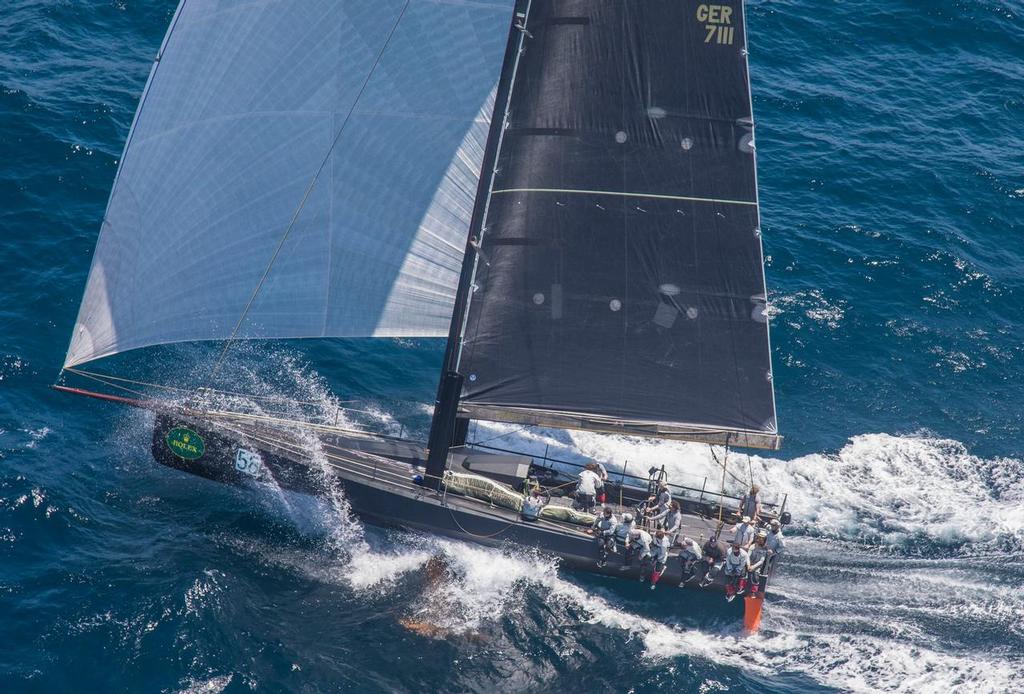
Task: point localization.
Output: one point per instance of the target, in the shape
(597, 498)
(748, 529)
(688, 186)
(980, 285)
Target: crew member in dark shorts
(604, 533)
(712, 552)
(750, 503)
(758, 562)
(690, 555)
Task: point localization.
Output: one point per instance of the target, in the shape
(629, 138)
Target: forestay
(620, 283)
(239, 115)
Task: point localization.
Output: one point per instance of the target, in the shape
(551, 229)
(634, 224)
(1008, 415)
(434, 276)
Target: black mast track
(446, 404)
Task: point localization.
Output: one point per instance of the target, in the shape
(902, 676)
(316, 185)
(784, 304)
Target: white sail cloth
(241, 109)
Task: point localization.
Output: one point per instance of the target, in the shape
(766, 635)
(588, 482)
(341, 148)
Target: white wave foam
(368, 569)
(487, 586)
(213, 685)
(811, 304)
(202, 592)
(865, 664)
(893, 490)
(879, 488)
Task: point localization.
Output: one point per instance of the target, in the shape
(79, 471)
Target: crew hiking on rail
(652, 536)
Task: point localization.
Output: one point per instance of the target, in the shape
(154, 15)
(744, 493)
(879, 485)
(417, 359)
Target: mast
(449, 389)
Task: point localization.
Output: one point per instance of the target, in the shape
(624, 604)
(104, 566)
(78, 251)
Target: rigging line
(470, 532)
(289, 423)
(107, 377)
(162, 386)
(112, 385)
(499, 436)
(625, 194)
(721, 506)
(305, 197)
(734, 476)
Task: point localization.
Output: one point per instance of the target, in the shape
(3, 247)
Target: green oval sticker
(185, 443)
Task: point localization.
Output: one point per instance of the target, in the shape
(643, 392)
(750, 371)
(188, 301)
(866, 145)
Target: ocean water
(892, 183)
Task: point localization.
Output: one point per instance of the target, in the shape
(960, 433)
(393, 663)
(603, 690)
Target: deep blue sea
(892, 181)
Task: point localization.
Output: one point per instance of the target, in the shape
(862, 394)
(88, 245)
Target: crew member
(750, 503)
(758, 559)
(688, 557)
(604, 532)
(670, 520)
(533, 504)
(744, 533)
(713, 552)
(639, 547)
(622, 530)
(659, 556)
(586, 490)
(673, 523)
(660, 503)
(602, 472)
(736, 566)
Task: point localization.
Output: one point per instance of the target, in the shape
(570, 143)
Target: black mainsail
(618, 282)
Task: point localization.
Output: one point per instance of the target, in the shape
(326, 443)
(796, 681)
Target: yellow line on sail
(624, 194)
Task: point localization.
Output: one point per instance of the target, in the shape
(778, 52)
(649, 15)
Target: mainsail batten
(240, 109)
(621, 286)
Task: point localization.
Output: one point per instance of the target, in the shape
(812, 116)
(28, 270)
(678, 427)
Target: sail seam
(625, 194)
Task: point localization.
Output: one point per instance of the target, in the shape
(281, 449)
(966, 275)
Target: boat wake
(904, 554)
(880, 490)
(854, 622)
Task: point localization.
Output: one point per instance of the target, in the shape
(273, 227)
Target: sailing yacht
(565, 190)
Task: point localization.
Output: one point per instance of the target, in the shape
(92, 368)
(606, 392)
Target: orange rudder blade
(752, 613)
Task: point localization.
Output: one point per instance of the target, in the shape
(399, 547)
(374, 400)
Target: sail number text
(717, 21)
(248, 462)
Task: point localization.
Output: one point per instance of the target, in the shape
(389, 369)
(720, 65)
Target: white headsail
(241, 109)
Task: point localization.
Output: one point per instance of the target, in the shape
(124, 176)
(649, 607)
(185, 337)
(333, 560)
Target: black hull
(380, 490)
